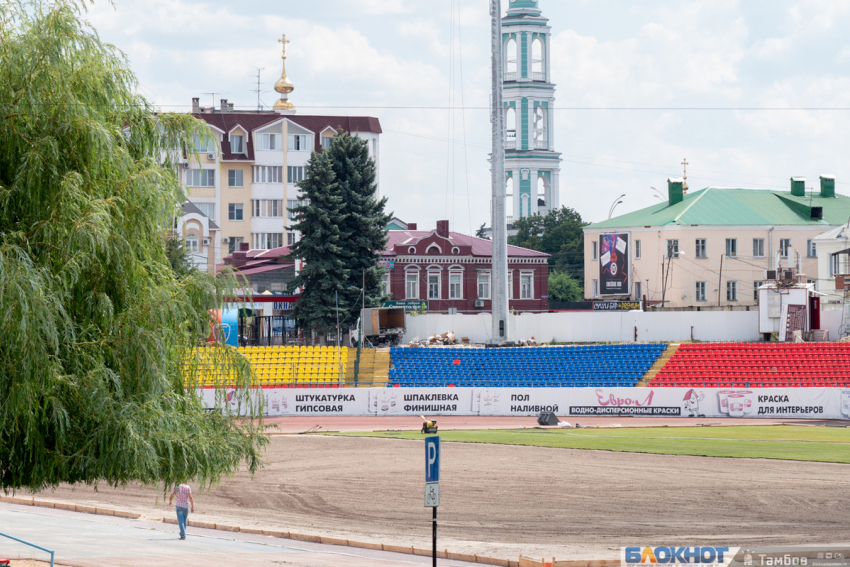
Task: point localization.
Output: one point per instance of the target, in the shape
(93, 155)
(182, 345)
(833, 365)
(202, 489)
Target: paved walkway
(86, 540)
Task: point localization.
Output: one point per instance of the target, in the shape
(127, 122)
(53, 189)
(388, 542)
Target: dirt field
(504, 500)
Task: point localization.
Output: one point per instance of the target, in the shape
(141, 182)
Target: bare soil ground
(501, 501)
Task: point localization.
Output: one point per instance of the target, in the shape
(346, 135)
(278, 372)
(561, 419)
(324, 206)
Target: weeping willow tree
(98, 333)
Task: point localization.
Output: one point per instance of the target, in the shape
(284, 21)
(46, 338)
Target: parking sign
(432, 458)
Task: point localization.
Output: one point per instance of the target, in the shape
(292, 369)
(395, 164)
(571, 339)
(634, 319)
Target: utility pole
(338, 341)
(501, 325)
(720, 280)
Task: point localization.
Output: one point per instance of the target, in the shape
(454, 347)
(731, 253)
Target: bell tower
(532, 165)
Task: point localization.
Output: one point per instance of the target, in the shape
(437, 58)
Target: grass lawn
(825, 444)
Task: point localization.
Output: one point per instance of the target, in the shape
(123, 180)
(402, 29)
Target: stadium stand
(564, 366)
(757, 365)
(284, 367)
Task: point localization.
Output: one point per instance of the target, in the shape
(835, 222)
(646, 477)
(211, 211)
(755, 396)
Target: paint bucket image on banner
(723, 400)
(845, 403)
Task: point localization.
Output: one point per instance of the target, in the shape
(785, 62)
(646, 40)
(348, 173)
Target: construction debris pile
(446, 339)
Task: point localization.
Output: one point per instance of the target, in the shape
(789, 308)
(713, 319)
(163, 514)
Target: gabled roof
(189, 208)
(348, 123)
(226, 121)
(716, 206)
(480, 246)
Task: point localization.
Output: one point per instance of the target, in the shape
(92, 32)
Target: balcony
(539, 77)
(510, 140)
(541, 144)
(510, 76)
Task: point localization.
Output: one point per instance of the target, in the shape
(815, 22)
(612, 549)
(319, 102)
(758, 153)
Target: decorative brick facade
(452, 270)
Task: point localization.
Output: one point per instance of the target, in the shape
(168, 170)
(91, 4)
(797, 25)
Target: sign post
(432, 484)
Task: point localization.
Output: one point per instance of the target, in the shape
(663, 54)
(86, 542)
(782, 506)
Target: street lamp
(617, 201)
(661, 195)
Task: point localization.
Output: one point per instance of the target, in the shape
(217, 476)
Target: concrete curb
(445, 554)
(70, 507)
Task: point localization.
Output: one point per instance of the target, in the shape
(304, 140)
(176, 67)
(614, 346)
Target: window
(811, 249)
(385, 283)
(290, 238)
(756, 286)
(326, 142)
(638, 291)
(235, 244)
(411, 285)
(267, 208)
(701, 248)
(510, 284)
(192, 244)
(297, 142)
(455, 285)
(637, 249)
(208, 209)
(268, 174)
(483, 285)
(234, 178)
(294, 174)
(267, 241)
(673, 248)
(433, 285)
(200, 177)
(270, 141)
(731, 247)
(701, 291)
(731, 291)
(595, 288)
(205, 146)
(237, 144)
(758, 247)
(595, 250)
(784, 246)
(526, 286)
(234, 212)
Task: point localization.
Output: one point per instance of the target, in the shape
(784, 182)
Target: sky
(750, 92)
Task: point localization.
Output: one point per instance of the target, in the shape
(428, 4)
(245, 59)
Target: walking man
(184, 500)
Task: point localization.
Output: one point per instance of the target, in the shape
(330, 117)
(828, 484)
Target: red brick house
(452, 270)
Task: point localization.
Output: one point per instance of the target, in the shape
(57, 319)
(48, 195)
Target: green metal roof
(726, 207)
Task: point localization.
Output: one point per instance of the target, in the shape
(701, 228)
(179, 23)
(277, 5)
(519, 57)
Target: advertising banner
(614, 264)
(806, 403)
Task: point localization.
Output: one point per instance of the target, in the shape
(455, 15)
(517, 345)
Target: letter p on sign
(432, 458)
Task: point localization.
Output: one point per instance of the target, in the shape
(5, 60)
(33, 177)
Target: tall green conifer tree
(322, 247)
(363, 227)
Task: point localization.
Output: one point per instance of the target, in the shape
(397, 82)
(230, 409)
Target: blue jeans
(182, 516)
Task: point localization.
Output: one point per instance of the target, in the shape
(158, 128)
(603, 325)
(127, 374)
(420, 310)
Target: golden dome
(283, 85)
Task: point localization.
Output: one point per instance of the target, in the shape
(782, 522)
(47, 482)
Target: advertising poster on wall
(614, 264)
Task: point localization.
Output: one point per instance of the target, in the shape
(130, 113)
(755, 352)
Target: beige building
(713, 246)
(244, 177)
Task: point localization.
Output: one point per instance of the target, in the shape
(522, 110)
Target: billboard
(614, 264)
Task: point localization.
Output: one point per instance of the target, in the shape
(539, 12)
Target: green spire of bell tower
(522, 4)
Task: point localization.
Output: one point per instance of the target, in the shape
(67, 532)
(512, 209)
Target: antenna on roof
(213, 100)
(685, 177)
(259, 89)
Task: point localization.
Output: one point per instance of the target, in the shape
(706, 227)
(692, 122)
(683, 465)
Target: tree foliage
(560, 234)
(325, 270)
(178, 255)
(342, 234)
(97, 342)
(365, 217)
(564, 288)
(481, 233)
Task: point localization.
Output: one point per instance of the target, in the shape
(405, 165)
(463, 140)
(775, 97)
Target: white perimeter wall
(595, 326)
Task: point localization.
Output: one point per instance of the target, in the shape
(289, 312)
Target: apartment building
(712, 246)
(244, 179)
